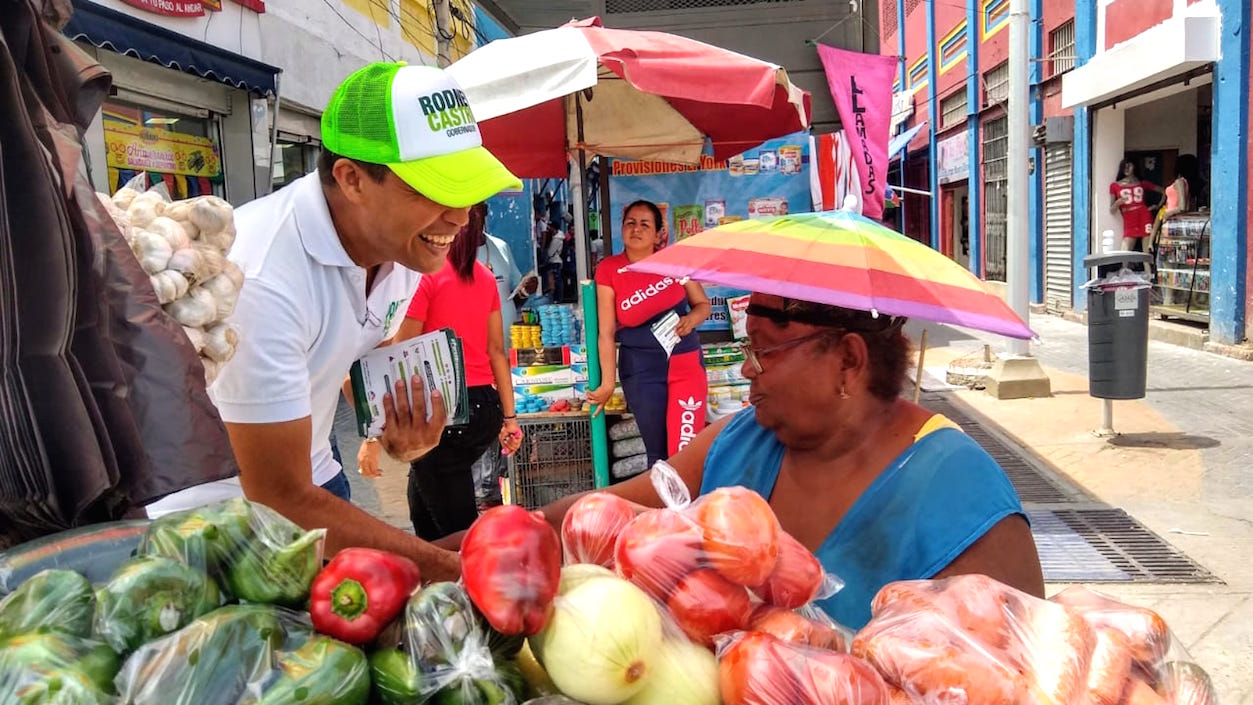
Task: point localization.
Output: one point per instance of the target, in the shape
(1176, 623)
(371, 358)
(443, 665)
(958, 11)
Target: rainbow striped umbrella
(838, 258)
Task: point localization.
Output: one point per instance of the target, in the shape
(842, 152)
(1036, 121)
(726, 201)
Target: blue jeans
(338, 485)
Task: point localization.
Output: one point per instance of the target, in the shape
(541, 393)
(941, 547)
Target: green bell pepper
(52, 687)
(215, 659)
(55, 600)
(277, 573)
(324, 671)
(149, 597)
(440, 623)
(59, 652)
(258, 554)
(505, 687)
(206, 537)
(396, 678)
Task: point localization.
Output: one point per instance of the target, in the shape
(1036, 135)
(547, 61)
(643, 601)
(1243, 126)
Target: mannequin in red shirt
(1127, 195)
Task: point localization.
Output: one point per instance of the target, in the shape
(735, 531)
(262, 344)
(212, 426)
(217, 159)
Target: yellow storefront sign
(143, 149)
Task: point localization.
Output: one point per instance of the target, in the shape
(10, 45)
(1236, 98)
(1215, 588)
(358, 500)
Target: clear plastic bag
(54, 599)
(609, 642)
(47, 667)
(591, 527)
(149, 597)
(1135, 644)
(711, 561)
(245, 654)
(255, 553)
(758, 669)
(445, 655)
(975, 639)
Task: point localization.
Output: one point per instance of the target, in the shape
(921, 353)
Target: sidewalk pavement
(1179, 463)
(1180, 467)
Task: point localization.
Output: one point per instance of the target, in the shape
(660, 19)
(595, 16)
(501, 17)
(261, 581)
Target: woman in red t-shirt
(1127, 195)
(663, 377)
(462, 296)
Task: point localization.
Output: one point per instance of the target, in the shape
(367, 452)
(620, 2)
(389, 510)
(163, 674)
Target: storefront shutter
(1058, 228)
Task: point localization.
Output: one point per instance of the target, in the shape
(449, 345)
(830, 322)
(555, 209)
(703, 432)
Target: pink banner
(862, 87)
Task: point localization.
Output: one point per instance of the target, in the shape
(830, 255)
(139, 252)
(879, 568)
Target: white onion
(683, 672)
(602, 639)
(576, 574)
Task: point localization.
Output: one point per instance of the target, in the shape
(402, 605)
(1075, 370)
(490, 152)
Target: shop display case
(1182, 268)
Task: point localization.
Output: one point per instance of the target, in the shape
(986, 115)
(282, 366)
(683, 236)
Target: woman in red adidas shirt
(462, 296)
(663, 378)
(1127, 195)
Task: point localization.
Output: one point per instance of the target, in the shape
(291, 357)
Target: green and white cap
(417, 122)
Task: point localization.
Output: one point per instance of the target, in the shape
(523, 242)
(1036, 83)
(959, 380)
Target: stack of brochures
(437, 356)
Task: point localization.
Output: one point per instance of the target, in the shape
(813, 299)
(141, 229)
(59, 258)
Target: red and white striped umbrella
(622, 93)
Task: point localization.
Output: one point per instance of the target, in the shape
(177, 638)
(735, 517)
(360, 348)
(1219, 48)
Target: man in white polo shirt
(330, 264)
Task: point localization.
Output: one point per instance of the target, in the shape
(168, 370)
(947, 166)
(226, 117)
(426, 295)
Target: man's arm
(689, 462)
(274, 469)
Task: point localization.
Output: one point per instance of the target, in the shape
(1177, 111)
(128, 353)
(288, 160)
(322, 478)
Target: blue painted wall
(973, 96)
(900, 53)
(1229, 175)
(933, 120)
(1085, 49)
(1035, 210)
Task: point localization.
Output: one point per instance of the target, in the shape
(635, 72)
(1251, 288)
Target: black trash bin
(1118, 329)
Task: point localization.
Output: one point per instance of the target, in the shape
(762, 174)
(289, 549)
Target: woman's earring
(843, 394)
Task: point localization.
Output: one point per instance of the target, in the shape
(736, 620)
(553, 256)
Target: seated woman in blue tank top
(879, 488)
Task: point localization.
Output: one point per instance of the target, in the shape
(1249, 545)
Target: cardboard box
(578, 372)
(578, 354)
(531, 357)
(550, 392)
(543, 374)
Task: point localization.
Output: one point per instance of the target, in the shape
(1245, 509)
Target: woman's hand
(368, 458)
(686, 325)
(510, 436)
(600, 396)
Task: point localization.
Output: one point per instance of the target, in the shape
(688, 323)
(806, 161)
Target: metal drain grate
(1108, 545)
(1032, 485)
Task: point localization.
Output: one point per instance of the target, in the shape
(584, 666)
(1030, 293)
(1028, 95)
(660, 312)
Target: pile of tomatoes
(730, 577)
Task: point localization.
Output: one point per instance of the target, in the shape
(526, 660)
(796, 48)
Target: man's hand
(368, 458)
(407, 435)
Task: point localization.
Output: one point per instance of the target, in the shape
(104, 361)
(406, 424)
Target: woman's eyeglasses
(754, 355)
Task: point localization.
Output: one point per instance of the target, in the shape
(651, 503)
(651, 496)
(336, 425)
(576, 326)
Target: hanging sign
(170, 8)
(144, 149)
(953, 157)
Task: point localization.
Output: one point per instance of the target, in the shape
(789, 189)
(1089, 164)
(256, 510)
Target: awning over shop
(901, 142)
(1171, 49)
(119, 32)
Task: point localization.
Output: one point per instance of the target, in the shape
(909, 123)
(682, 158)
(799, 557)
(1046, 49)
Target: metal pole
(443, 33)
(278, 107)
(578, 189)
(1107, 419)
(591, 338)
(922, 360)
(1018, 231)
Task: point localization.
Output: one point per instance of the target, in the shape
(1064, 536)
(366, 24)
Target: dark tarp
(102, 399)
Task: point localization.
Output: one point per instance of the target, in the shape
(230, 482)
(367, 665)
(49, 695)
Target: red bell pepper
(359, 592)
(511, 568)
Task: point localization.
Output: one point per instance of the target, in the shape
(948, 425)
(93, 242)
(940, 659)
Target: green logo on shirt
(391, 313)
